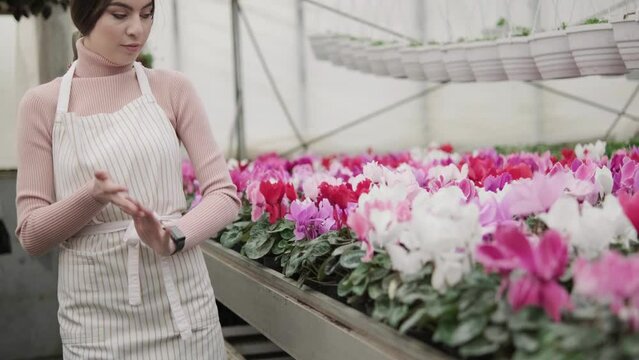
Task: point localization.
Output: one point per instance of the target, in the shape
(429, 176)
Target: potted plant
(26, 8)
(594, 48)
(376, 59)
(346, 52)
(360, 56)
(515, 55)
(431, 59)
(456, 63)
(551, 51)
(626, 32)
(483, 55)
(319, 45)
(410, 57)
(393, 60)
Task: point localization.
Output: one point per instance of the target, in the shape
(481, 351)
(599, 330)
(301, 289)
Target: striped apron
(117, 298)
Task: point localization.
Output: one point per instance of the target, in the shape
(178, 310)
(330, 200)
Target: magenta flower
(311, 221)
(536, 269)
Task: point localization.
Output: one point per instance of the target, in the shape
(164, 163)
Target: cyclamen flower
(530, 196)
(590, 229)
(610, 280)
(311, 221)
(593, 151)
(630, 205)
(268, 196)
(537, 268)
(188, 176)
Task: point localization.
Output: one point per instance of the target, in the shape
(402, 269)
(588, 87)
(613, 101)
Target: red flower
(339, 195)
(568, 156)
(362, 188)
(273, 194)
(479, 168)
(519, 171)
(446, 148)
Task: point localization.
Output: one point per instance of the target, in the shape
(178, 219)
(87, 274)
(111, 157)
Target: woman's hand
(105, 191)
(151, 231)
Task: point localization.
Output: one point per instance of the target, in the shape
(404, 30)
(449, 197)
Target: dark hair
(85, 13)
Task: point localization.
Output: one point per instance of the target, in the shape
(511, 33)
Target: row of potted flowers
(530, 255)
(594, 48)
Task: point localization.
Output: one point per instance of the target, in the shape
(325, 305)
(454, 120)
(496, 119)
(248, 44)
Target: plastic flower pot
(483, 57)
(456, 64)
(411, 61)
(595, 50)
(393, 61)
(346, 53)
(518, 62)
(552, 55)
(431, 59)
(377, 60)
(626, 34)
(318, 45)
(360, 57)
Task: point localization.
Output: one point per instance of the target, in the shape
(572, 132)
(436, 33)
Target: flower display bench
(303, 322)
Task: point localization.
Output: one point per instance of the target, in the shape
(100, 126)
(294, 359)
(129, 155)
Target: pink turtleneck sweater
(100, 86)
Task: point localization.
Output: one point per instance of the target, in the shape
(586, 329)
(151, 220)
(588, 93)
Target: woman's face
(122, 30)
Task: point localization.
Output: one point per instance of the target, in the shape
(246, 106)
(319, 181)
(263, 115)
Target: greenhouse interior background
(291, 100)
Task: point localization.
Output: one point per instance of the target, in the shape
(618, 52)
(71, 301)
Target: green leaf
(413, 320)
(282, 246)
(397, 314)
(444, 331)
(328, 267)
(340, 250)
(344, 287)
(360, 287)
(259, 234)
(351, 259)
(381, 309)
(496, 334)
(255, 252)
(378, 273)
(468, 330)
(375, 290)
(478, 347)
(630, 345)
(525, 342)
(320, 248)
(281, 225)
(230, 238)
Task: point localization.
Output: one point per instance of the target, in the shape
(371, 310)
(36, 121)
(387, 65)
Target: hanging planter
(595, 50)
(456, 63)
(346, 53)
(484, 60)
(517, 60)
(411, 61)
(626, 32)
(319, 45)
(360, 57)
(432, 62)
(393, 61)
(551, 51)
(377, 59)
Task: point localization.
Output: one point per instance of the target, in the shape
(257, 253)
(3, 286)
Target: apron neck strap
(65, 87)
(143, 80)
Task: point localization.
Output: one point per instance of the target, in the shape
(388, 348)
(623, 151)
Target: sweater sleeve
(42, 222)
(220, 204)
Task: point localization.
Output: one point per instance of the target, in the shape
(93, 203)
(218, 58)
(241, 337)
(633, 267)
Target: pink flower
(311, 221)
(541, 266)
(530, 196)
(610, 281)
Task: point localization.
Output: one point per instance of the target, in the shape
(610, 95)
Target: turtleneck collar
(91, 64)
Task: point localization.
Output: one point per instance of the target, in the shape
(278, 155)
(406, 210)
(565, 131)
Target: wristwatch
(177, 237)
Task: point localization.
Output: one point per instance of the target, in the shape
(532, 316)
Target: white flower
(450, 267)
(448, 173)
(604, 181)
(373, 171)
(593, 151)
(590, 230)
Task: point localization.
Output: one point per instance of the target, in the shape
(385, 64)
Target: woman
(99, 175)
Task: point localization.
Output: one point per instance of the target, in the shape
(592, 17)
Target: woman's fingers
(126, 205)
(101, 175)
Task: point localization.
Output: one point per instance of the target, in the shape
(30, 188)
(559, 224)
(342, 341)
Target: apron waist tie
(134, 242)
